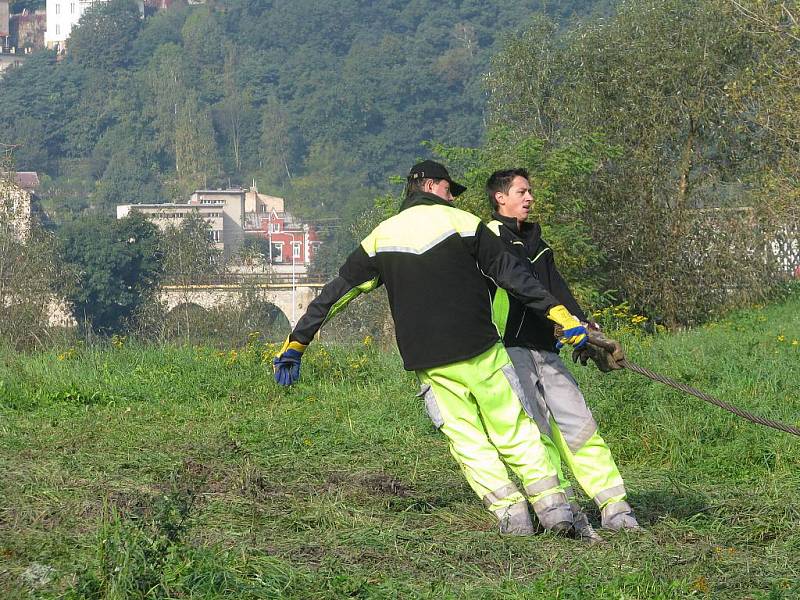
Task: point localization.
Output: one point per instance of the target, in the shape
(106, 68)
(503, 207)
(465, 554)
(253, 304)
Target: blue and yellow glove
(573, 332)
(286, 364)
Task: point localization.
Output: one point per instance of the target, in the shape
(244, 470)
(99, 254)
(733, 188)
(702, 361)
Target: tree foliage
(112, 268)
(104, 36)
(683, 199)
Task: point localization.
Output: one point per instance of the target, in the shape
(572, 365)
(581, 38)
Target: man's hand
(286, 365)
(573, 332)
(606, 353)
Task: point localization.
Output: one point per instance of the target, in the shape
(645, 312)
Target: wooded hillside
(308, 98)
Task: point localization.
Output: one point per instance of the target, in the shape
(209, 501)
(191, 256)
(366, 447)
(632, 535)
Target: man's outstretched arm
(357, 276)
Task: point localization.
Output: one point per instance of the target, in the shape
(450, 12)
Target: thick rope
(716, 402)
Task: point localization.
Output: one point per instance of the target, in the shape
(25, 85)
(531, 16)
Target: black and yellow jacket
(432, 258)
(518, 325)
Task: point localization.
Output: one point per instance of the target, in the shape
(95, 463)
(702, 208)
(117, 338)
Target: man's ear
(498, 198)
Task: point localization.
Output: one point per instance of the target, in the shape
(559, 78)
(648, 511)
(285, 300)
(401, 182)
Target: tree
(766, 96)
(655, 79)
(296, 76)
(332, 185)
(234, 116)
(277, 143)
(105, 34)
(130, 174)
(196, 159)
(112, 268)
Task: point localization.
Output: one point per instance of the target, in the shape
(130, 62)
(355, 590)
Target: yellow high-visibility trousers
(476, 405)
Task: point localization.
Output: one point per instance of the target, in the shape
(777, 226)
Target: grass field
(131, 471)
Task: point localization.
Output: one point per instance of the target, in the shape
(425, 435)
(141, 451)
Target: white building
(63, 15)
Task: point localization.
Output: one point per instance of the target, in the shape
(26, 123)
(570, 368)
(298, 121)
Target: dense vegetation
(136, 472)
(311, 99)
(700, 100)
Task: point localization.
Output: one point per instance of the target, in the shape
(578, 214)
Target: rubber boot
(617, 516)
(515, 519)
(581, 528)
(554, 513)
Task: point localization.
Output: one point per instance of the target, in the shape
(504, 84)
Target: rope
(716, 402)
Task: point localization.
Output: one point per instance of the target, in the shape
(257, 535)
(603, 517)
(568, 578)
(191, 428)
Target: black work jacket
(523, 327)
(432, 258)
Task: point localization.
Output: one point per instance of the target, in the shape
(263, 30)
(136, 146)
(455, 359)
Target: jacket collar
(423, 198)
(509, 222)
(527, 230)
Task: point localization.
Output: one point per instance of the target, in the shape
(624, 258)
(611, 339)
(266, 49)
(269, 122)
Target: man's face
(439, 188)
(517, 202)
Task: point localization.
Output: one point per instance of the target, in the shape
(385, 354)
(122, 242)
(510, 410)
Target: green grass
(186, 473)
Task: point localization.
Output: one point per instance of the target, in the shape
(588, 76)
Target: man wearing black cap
(431, 257)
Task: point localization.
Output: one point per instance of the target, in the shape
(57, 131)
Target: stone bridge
(292, 300)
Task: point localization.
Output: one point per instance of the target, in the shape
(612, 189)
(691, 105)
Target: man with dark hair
(550, 394)
(431, 257)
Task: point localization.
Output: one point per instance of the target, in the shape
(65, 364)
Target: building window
(296, 249)
(216, 236)
(58, 29)
(278, 252)
(275, 227)
(58, 9)
(72, 8)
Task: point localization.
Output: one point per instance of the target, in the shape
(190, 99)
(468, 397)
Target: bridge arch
(291, 300)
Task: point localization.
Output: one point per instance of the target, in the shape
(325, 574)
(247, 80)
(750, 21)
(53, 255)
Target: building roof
(27, 180)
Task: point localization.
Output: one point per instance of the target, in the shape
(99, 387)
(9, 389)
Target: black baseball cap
(429, 169)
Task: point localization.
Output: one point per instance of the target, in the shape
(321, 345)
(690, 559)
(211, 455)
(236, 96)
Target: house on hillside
(20, 34)
(8, 52)
(4, 23)
(27, 31)
(19, 205)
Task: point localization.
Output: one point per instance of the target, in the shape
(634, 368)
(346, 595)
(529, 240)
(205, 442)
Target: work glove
(570, 330)
(286, 365)
(606, 353)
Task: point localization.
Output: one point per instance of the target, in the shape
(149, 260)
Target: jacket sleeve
(561, 290)
(510, 272)
(358, 275)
